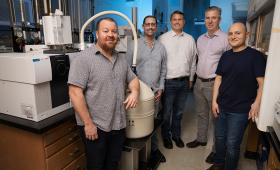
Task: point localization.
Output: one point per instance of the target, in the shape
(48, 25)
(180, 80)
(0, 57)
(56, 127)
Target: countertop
(37, 127)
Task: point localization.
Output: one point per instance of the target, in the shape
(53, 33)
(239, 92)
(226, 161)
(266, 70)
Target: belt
(206, 80)
(180, 78)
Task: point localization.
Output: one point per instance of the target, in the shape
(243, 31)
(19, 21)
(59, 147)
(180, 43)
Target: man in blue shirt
(236, 96)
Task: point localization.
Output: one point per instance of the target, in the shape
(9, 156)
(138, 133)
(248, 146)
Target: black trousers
(103, 153)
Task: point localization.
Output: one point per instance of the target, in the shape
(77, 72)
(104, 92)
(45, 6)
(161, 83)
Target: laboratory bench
(54, 144)
(51, 144)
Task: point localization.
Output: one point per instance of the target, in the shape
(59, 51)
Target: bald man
(236, 96)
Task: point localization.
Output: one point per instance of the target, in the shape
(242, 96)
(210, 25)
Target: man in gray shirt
(151, 69)
(97, 81)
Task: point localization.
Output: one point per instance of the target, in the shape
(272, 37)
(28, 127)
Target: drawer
(65, 156)
(58, 132)
(61, 143)
(273, 162)
(78, 164)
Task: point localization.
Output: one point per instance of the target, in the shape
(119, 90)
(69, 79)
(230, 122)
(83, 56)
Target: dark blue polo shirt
(239, 71)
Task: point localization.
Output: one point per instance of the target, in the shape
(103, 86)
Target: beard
(107, 46)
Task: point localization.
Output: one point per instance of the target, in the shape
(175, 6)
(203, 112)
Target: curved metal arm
(82, 41)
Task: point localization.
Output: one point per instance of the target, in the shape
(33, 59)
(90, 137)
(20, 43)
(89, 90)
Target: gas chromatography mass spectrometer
(33, 84)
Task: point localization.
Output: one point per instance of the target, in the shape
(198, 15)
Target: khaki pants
(203, 103)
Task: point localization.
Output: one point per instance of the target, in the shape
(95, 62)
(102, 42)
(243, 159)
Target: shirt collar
(114, 54)
(217, 33)
(174, 33)
(145, 42)
(97, 51)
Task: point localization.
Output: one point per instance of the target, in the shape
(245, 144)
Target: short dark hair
(214, 8)
(176, 12)
(106, 18)
(149, 16)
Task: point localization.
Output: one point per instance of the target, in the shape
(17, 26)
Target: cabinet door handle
(78, 167)
(75, 152)
(75, 136)
(70, 129)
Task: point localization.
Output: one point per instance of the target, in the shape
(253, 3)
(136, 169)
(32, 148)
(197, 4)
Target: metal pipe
(37, 17)
(72, 14)
(12, 12)
(50, 6)
(64, 3)
(134, 17)
(90, 11)
(37, 11)
(62, 6)
(46, 7)
(22, 11)
(79, 15)
(59, 5)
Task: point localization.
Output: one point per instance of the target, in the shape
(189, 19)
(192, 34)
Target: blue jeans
(174, 99)
(229, 131)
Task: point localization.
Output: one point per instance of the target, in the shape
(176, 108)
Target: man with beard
(237, 95)
(97, 81)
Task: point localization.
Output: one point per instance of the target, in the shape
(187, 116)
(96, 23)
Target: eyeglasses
(150, 24)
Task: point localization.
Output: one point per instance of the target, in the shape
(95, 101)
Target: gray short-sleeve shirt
(104, 83)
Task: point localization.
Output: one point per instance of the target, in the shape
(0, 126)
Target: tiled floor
(193, 159)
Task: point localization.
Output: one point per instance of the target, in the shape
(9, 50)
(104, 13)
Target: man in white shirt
(181, 66)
